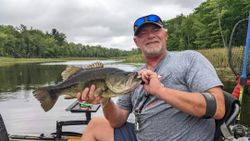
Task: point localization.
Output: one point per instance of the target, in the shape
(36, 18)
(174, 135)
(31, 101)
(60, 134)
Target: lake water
(22, 113)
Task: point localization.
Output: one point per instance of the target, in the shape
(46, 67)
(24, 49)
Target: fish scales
(86, 76)
(110, 82)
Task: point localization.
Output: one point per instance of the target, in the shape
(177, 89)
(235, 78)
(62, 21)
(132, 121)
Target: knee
(98, 122)
(95, 128)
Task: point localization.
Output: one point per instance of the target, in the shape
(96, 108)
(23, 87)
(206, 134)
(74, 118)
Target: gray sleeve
(125, 103)
(201, 74)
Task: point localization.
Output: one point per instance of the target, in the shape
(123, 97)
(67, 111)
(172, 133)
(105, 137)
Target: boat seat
(3, 131)
(232, 106)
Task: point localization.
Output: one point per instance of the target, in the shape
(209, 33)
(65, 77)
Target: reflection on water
(26, 76)
(23, 113)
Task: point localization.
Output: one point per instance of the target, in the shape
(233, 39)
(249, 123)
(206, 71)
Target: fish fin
(69, 71)
(47, 101)
(94, 65)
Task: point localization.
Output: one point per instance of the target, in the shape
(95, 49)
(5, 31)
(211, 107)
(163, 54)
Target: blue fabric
(125, 133)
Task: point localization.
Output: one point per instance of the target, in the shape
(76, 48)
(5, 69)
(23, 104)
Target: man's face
(151, 39)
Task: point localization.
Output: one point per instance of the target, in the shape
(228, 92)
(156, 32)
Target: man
(178, 101)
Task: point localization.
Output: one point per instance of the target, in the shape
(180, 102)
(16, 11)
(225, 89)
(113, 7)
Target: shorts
(125, 133)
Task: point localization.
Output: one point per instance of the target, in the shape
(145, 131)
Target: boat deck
(59, 135)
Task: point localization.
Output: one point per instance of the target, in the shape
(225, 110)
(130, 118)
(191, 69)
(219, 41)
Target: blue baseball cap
(152, 18)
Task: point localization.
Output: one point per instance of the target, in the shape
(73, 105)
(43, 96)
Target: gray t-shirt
(186, 71)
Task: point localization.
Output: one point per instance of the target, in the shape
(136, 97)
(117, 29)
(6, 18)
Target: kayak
(59, 135)
(42, 138)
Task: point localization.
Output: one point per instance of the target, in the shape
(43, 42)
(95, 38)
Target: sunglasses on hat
(147, 19)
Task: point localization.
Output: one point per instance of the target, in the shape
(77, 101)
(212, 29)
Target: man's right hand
(90, 95)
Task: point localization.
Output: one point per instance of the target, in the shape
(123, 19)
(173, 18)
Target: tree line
(23, 42)
(209, 26)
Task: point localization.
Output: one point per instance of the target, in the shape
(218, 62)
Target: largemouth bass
(109, 82)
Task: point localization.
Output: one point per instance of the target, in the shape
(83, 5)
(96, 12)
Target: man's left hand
(151, 81)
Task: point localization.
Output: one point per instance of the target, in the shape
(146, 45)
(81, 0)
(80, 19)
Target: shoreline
(8, 61)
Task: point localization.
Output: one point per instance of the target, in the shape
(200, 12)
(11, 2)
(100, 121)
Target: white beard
(152, 52)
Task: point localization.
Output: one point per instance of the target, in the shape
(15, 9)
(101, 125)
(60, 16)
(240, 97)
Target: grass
(217, 56)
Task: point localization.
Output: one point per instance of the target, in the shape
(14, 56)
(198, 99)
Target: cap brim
(138, 28)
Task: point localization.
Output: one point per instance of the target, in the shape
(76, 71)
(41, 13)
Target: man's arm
(192, 103)
(115, 115)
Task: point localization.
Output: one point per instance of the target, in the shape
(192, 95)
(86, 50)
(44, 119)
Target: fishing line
(231, 65)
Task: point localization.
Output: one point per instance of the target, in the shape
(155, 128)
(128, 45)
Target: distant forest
(29, 43)
(209, 26)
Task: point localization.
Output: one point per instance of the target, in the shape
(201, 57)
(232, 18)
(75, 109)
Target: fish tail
(46, 99)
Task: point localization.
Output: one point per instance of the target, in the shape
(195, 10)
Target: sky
(108, 23)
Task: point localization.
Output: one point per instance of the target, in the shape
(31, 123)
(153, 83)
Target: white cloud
(107, 23)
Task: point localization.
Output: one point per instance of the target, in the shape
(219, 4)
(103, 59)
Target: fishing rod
(238, 57)
(240, 69)
(243, 77)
